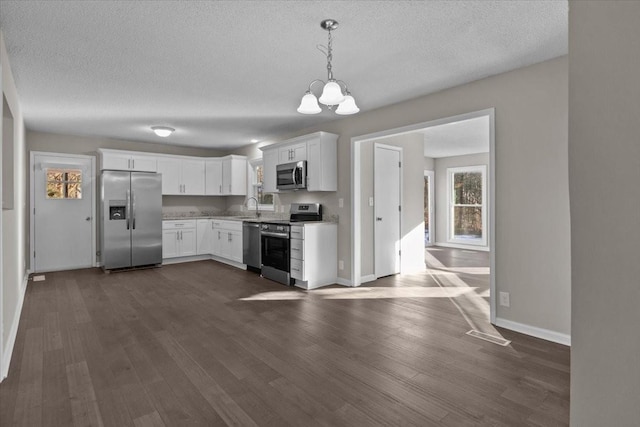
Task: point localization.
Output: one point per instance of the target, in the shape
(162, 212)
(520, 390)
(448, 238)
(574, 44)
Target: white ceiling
(225, 72)
(458, 138)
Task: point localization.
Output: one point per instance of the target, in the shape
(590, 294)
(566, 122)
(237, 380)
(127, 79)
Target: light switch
(341, 202)
(370, 201)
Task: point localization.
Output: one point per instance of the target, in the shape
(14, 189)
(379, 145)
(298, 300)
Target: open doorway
(447, 219)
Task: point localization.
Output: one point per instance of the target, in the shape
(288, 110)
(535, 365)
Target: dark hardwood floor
(207, 344)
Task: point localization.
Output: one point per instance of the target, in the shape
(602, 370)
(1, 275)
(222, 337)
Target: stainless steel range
(276, 247)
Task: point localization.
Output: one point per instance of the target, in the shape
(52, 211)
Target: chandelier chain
(329, 56)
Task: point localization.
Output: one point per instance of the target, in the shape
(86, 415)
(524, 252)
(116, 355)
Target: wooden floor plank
(204, 343)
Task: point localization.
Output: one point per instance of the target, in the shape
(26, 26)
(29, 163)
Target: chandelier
(332, 93)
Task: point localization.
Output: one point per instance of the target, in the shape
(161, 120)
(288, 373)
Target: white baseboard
(13, 331)
(534, 331)
(344, 282)
(460, 246)
(368, 278)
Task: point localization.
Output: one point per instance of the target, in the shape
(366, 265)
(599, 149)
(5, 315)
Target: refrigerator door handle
(128, 208)
(133, 210)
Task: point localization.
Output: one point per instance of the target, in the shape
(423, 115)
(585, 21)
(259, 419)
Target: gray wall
(441, 202)
(532, 262)
(429, 163)
(604, 166)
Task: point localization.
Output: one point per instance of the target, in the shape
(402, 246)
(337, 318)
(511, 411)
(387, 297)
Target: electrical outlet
(504, 299)
(341, 202)
(341, 265)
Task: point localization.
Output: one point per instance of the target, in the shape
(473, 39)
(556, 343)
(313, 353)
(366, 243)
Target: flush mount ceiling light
(332, 93)
(163, 131)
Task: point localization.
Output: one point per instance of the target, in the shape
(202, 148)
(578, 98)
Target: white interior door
(388, 200)
(63, 207)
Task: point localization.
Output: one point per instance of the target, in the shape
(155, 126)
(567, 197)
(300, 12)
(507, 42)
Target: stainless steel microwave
(291, 176)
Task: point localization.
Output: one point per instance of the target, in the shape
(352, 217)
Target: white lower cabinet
(227, 240)
(205, 236)
(314, 253)
(178, 238)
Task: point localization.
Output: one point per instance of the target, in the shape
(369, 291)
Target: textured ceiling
(458, 138)
(225, 72)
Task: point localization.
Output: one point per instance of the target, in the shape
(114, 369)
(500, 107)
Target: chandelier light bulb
(348, 106)
(309, 104)
(331, 94)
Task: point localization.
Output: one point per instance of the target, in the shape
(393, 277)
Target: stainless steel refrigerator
(131, 219)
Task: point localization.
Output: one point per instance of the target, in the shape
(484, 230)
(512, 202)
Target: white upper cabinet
(181, 175)
(184, 175)
(292, 153)
(319, 149)
(322, 164)
(226, 176)
(213, 177)
(126, 161)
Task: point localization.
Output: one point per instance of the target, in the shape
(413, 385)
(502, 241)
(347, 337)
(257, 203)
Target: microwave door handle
(293, 175)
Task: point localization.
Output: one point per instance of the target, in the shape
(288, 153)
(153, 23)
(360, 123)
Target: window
(64, 183)
(265, 200)
(467, 202)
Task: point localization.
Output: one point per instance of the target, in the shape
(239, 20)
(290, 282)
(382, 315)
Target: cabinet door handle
(295, 249)
(218, 235)
(228, 237)
(220, 188)
(133, 163)
(295, 269)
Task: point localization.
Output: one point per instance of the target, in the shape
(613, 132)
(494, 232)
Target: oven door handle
(270, 234)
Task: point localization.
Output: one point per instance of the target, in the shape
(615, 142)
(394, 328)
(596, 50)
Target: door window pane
(64, 183)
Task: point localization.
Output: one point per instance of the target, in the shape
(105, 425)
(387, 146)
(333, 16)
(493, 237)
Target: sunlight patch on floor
(363, 293)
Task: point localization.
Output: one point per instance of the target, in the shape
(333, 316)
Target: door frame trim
(432, 224)
(356, 160)
(400, 151)
(32, 156)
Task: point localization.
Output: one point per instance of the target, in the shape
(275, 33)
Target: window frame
(65, 182)
(451, 238)
(252, 186)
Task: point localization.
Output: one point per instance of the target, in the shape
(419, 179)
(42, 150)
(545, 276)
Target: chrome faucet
(257, 206)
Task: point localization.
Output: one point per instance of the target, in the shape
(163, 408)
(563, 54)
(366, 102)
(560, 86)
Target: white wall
(604, 173)
(533, 262)
(13, 264)
(441, 200)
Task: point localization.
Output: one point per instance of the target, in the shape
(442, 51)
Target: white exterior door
(63, 210)
(387, 201)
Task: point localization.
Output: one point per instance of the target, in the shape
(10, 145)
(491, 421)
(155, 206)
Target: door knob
(378, 218)
(88, 218)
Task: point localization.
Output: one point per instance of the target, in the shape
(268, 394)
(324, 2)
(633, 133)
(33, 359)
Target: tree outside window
(64, 183)
(467, 205)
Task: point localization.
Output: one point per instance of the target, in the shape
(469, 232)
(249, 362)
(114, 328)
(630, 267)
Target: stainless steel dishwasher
(251, 246)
